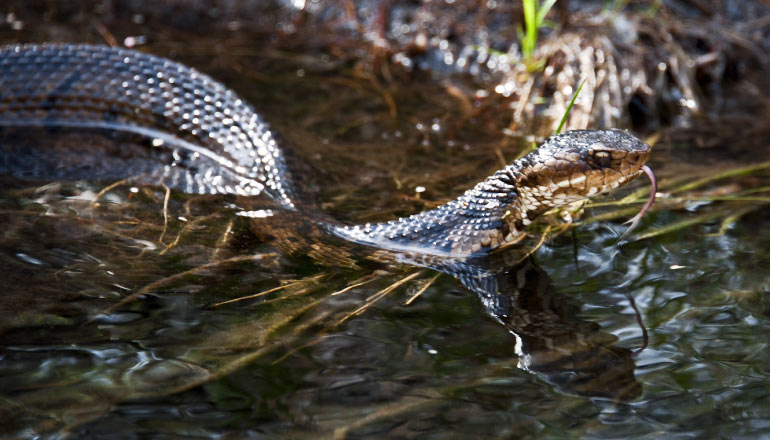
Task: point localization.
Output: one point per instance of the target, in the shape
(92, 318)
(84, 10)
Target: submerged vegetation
(274, 326)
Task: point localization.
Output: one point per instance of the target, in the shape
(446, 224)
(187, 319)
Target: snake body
(205, 139)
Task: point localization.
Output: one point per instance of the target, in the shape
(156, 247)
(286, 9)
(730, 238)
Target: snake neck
(493, 213)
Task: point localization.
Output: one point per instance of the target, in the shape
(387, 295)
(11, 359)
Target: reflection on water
(552, 341)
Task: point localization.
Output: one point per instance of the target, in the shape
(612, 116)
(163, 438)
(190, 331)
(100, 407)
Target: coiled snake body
(205, 139)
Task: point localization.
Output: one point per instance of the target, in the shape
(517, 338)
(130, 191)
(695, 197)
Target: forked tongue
(638, 217)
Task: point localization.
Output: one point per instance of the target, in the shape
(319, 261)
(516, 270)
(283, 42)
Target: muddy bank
(646, 65)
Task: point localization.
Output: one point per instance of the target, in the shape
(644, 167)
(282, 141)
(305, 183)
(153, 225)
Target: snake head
(575, 165)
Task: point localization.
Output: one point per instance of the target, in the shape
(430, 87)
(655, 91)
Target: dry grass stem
(422, 289)
(186, 228)
(289, 295)
(730, 219)
(729, 173)
(673, 227)
(244, 360)
(166, 198)
(168, 280)
(228, 368)
(360, 282)
(109, 188)
(500, 157)
(275, 289)
(286, 318)
(296, 349)
(407, 404)
(521, 105)
(379, 295)
(108, 36)
(540, 242)
(222, 242)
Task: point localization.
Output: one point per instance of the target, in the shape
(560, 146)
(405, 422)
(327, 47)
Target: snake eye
(602, 159)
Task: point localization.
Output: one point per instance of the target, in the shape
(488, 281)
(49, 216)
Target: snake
(202, 138)
(186, 131)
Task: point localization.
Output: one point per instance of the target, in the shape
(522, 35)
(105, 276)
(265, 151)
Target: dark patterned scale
(217, 142)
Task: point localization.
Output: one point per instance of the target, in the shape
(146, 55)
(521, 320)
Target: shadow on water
(215, 331)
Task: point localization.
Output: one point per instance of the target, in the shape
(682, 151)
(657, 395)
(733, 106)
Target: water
(571, 360)
(439, 367)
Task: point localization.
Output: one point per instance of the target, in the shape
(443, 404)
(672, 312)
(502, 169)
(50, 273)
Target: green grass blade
(543, 11)
(530, 25)
(569, 108)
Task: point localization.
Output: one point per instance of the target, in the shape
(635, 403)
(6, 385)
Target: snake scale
(205, 139)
